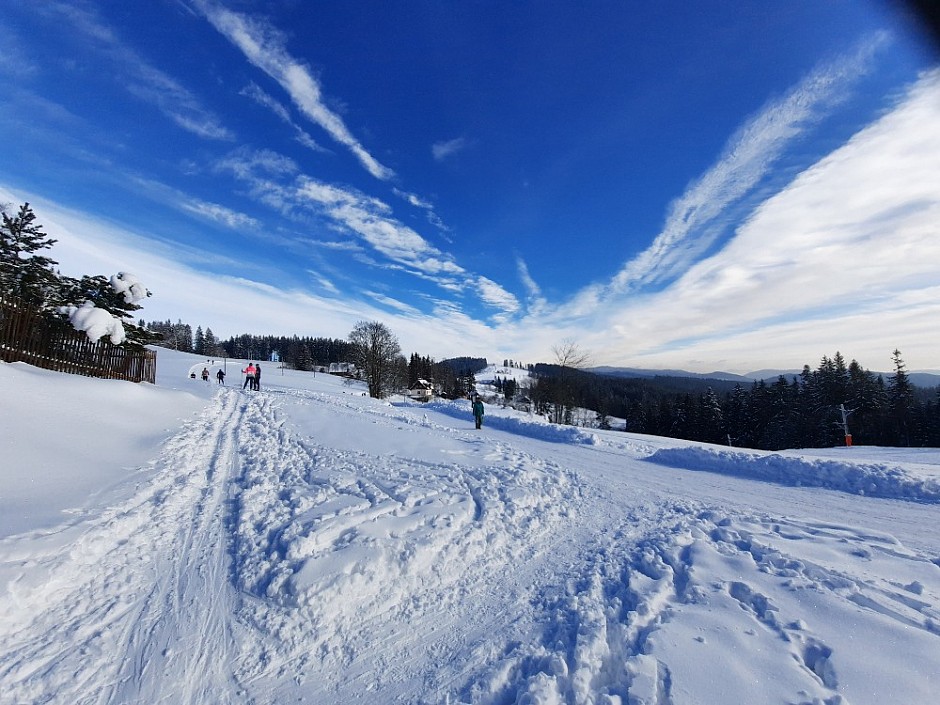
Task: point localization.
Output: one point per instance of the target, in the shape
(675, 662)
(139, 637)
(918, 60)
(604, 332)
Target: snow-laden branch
(95, 322)
(98, 322)
(127, 284)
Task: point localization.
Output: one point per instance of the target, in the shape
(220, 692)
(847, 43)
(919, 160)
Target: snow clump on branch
(96, 322)
(127, 284)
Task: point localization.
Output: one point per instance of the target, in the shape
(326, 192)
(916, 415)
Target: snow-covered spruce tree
(199, 341)
(711, 419)
(901, 402)
(25, 274)
(210, 344)
(378, 358)
(118, 296)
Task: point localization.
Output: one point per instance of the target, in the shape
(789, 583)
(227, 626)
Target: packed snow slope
(195, 543)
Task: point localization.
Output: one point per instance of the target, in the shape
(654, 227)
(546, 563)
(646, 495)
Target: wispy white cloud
(497, 297)
(401, 246)
(174, 101)
(264, 47)
(747, 158)
(221, 214)
(394, 304)
(435, 220)
(273, 180)
(13, 58)
(428, 207)
(254, 91)
(535, 298)
(265, 172)
(143, 80)
(448, 148)
(323, 282)
(844, 258)
(346, 246)
(413, 199)
(246, 163)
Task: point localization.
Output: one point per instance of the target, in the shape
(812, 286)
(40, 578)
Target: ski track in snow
(118, 609)
(261, 564)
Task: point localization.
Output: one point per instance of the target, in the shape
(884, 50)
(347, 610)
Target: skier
(256, 383)
(205, 374)
(221, 375)
(249, 373)
(478, 411)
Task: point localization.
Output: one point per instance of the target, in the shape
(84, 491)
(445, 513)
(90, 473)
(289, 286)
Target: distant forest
(804, 411)
(299, 353)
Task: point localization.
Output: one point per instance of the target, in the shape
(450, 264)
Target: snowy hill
(486, 378)
(193, 543)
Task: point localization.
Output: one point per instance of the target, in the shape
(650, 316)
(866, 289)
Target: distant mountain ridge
(918, 379)
(637, 372)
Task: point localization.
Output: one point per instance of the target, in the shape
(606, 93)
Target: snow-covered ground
(191, 543)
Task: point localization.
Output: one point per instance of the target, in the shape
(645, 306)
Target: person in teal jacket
(478, 411)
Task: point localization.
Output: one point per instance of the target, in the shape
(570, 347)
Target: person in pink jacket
(249, 373)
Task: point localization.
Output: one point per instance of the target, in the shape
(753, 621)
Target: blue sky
(695, 185)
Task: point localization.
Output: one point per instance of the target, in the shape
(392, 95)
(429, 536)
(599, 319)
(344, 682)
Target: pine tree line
(296, 352)
(805, 411)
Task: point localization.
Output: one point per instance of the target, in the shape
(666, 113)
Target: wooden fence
(26, 335)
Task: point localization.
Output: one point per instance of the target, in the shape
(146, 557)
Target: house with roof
(422, 390)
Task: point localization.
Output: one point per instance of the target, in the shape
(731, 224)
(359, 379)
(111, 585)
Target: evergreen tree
(711, 418)
(737, 417)
(901, 402)
(210, 343)
(636, 418)
(199, 342)
(865, 403)
(25, 274)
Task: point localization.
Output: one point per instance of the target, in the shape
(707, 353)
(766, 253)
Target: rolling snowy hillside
(191, 543)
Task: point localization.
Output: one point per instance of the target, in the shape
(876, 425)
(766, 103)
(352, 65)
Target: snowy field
(191, 543)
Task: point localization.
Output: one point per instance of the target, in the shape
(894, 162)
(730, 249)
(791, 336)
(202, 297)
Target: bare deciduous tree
(569, 357)
(569, 354)
(378, 357)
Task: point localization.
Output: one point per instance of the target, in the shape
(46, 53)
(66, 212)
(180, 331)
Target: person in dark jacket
(256, 385)
(478, 411)
(221, 376)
